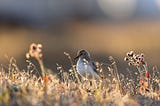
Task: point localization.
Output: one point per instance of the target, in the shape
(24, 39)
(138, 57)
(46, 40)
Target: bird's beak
(77, 57)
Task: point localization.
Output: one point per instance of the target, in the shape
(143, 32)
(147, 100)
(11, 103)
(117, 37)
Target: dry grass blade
(72, 65)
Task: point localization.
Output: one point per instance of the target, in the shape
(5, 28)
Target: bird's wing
(97, 67)
(92, 63)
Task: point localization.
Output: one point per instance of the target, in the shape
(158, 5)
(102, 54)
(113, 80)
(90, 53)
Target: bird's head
(82, 54)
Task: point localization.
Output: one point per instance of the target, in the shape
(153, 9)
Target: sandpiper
(85, 66)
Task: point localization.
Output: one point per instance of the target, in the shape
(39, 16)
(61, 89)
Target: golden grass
(28, 87)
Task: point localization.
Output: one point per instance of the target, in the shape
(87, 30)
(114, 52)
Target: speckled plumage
(85, 66)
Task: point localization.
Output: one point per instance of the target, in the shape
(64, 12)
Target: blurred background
(103, 27)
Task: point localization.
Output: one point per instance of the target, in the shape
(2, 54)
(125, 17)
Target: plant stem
(42, 67)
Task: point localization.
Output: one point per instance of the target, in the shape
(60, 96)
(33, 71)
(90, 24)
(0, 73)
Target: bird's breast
(83, 67)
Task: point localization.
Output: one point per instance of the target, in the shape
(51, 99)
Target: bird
(85, 66)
